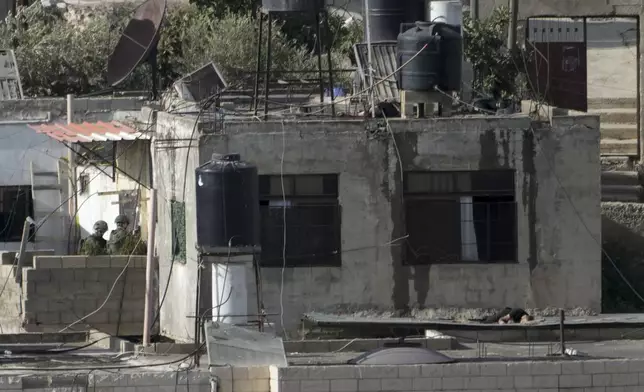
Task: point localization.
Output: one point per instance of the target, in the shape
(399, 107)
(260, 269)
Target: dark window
(96, 153)
(308, 204)
(16, 204)
(178, 219)
(460, 216)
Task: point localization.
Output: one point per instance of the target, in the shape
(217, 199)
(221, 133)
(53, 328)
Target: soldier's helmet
(100, 226)
(122, 219)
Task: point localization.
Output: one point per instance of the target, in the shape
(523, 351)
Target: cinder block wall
(60, 290)
(532, 376)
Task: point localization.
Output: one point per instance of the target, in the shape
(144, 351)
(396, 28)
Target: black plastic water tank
(292, 5)
(227, 193)
(438, 65)
(385, 17)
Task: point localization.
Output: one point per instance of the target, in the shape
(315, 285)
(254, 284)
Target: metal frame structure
(320, 16)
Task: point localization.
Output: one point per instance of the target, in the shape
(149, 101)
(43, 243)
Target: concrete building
(395, 220)
(35, 168)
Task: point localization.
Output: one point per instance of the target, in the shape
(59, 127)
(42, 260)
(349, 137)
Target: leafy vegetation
(498, 72)
(62, 52)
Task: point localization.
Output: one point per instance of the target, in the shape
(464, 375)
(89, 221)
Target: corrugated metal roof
(383, 55)
(90, 132)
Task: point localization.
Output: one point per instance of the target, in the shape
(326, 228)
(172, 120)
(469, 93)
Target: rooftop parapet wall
(87, 109)
(59, 291)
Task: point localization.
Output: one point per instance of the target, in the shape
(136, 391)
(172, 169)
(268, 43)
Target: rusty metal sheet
(558, 64)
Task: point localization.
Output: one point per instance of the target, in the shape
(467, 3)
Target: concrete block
(542, 382)
(593, 367)
(258, 372)
(617, 366)
(410, 371)
(453, 383)
(88, 274)
(290, 386)
(121, 261)
(461, 369)
(572, 368)
(481, 382)
(36, 305)
(242, 386)
(133, 304)
(47, 288)
(98, 262)
(260, 385)
(240, 373)
(369, 385)
(378, 372)
(333, 372)
(493, 369)
(506, 382)
(396, 384)
(48, 318)
(87, 304)
(47, 262)
(636, 366)
(141, 262)
(7, 258)
(74, 261)
(315, 385)
(519, 369)
(344, 385)
(427, 384)
(432, 371)
(34, 275)
(96, 288)
(99, 317)
(545, 368)
(62, 275)
(601, 380)
(624, 379)
(575, 381)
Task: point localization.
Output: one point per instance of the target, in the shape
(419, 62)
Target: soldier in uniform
(119, 235)
(95, 243)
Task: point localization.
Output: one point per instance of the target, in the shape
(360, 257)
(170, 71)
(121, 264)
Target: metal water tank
(438, 65)
(292, 5)
(227, 192)
(385, 17)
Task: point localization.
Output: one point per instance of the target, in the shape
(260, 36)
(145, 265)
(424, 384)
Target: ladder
(50, 195)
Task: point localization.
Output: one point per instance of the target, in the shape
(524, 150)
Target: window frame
(327, 197)
(454, 196)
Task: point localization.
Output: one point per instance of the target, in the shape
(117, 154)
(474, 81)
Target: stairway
(49, 192)
(618, 125)
(621, 185)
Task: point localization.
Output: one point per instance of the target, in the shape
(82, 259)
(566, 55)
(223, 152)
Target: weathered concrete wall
(100, 290)
(175, 160)
(558, 259)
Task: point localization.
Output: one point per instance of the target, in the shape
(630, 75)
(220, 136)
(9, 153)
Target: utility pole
(512, 28)
(149, 266)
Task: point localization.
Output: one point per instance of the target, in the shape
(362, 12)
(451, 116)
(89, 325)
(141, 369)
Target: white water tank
(229, 289)
(449, 11)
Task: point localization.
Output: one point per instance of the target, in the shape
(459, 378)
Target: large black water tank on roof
(438, 65)
(227, 192)
(292, 5)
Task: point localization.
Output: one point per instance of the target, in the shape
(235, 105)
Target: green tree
(498, 72)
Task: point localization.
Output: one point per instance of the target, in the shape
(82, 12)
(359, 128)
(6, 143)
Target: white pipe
(367, 27)
(149, 266)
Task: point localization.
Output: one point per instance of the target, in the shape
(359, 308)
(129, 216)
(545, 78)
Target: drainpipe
(149, 266)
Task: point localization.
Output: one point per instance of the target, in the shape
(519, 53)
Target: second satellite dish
(138, 43)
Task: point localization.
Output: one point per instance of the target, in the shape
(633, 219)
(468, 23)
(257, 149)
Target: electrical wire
(284, 230)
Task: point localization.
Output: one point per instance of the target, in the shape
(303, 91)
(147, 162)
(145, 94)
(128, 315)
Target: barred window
(308, 205)
(460, 216)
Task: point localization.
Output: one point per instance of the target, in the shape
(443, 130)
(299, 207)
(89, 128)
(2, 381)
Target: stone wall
(59, 291)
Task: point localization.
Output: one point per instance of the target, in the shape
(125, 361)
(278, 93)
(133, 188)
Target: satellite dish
(138, 43)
